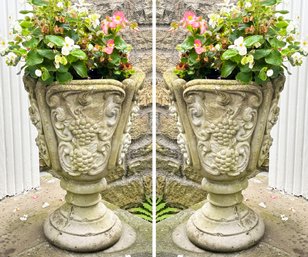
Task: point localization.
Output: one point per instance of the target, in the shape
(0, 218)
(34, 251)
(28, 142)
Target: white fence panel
(19, 164)
(289, 154)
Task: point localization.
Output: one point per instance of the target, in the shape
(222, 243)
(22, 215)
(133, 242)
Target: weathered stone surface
(125, 193)
(167, 126)
(192, 175)
(183, 193)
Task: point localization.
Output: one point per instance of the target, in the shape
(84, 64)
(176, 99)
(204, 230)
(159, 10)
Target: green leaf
(147, 207)
(26, 11)
(63, 68)
(227, 69)
(71, 58)
(39, 2)
(33, 58)
(282, 12)
(193, 58)
(245, 68)
(167, 210)
(141, 210)
(57, 40)
(160, 206)
(251, 40)
(282, 24)
(274, 58)
(81, 69)
(229, 54)
(245, 77)
(261, 53)
(79, 54)
(120, 43)
(47, 53)
(262, 75)
(268, 2)
(45, 74)
(64, 77)
(115, 58)
(32, 43)
(188, 44)
(275, 43)
(26, 24)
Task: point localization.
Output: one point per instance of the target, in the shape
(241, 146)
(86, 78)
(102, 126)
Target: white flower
(297, 58)
(11, 59)
(248, 5)
(90, 47)
(257, 45)
(239, 46)
(214, 19)
(60, 5)
(218, 47)
(270, 73)
(68, 46)
(66, 51)
(50, 44)
(17, 27)
(3, 46)
(38, 73)
(304, 47)
(94, 18)
(248, 60)
(59, 60)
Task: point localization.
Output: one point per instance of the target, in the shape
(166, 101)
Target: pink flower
(203, 27)
(198, 47)
(119, 18)
(190, 18)
(110, 46)
(105, 26)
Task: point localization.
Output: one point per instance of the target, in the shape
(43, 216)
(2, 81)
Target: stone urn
(226, 129)
(81, 129)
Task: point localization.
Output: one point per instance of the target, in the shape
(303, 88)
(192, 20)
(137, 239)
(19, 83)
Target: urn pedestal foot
(83, 223)
(224, 223)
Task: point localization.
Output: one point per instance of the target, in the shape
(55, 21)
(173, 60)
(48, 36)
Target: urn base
(225, 229)
(83, 229)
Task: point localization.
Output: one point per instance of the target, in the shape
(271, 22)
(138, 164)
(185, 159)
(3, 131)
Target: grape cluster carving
(223, 132)
(84, 131)
(82, 160)
(226, 160)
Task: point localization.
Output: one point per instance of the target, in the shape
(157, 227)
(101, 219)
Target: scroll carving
(35, 118)
(278, 85)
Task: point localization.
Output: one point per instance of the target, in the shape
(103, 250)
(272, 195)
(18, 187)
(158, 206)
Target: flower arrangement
(61, 41)
(247, 41)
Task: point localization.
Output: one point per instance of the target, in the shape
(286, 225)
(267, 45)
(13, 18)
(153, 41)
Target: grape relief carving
(223, 122)
(84, 123)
